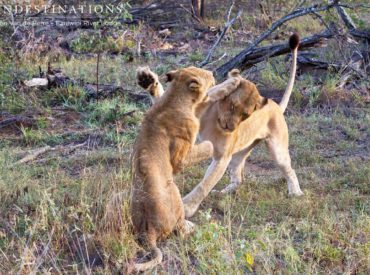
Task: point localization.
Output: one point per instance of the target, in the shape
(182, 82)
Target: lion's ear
(171, 75)
(234, 73)
(261, 102)
(194, 84)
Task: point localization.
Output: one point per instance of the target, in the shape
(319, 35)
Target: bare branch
(229, 12)
(227, 26)
(34, 154)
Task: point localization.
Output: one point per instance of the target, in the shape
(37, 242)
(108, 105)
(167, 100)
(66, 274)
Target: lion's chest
(181, 143)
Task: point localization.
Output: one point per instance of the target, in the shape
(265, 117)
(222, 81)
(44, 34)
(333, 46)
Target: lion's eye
(244, 116)
(232, 107)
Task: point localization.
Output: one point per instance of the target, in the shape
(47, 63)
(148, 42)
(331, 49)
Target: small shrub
(110, 110)
(69, 95)
(272, 76)
(196, 56)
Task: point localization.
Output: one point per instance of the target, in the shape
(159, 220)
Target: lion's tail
(156, 260)
(293, 43)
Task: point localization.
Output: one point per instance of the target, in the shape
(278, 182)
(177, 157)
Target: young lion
(166, 138)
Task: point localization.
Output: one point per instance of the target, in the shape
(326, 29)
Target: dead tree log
(247, 60)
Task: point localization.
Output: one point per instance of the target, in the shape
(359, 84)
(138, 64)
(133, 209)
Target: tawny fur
(166, 138)
(235, 124)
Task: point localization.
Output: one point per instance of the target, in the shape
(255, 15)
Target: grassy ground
(53, 210)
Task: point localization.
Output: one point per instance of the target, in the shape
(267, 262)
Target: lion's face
(239, 105)
(192, 80)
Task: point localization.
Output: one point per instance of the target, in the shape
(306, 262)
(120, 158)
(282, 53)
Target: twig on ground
(319, 17)
(34, 154)
(17, 119)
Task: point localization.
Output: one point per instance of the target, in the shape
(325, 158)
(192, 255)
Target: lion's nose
(230, 127)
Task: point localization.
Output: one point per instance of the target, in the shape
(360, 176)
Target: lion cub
(167, 135)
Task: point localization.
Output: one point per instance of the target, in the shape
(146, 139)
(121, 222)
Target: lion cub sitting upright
(167, 135)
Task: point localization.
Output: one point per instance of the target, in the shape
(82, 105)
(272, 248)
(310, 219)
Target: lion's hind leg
(280, 153)
(236, 167)
(181, 226)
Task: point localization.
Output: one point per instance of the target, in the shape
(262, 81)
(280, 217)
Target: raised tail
(157, 257)
(293, 43)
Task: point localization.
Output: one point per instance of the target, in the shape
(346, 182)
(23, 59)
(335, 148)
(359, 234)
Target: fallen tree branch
(83, 133)
(237, 61)
(260, 54)
(34, 154)
(350, 24)
(17, 119)
(226, 28)
(306, 60)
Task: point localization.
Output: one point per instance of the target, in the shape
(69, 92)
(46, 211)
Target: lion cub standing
(167, 135)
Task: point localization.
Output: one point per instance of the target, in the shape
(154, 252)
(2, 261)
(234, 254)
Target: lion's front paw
(145, 77)
(231, 188)
(185, 228)
(189, 209)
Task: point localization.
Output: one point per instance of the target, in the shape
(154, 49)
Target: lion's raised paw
(145, 77)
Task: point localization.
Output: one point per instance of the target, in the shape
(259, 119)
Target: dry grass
(58, 217)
